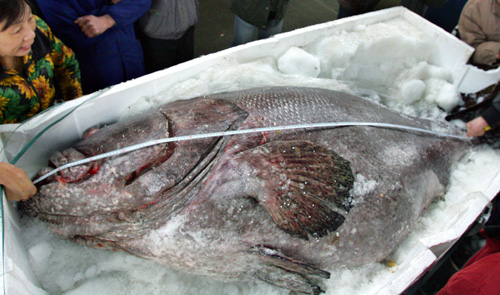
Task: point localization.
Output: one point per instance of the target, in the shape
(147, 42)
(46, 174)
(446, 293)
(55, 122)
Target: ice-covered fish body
(283, 207)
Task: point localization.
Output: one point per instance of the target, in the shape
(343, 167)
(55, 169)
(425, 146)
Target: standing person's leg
(343, 13)
(243, 32)
(273, 29)
(158, 54)
(185, 47)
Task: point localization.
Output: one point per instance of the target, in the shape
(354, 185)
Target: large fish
(282, 207)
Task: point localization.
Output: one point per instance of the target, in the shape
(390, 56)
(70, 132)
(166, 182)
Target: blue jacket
(110, 58)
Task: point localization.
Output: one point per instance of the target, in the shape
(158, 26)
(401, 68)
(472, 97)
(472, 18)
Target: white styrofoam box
(476, 79)
(416, 262)
(106, 106)
(456, 225)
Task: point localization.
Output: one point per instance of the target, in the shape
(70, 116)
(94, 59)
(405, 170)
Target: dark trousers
(160, 54)
(343, 13)
(492, 226)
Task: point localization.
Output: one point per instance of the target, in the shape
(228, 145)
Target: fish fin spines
(286, 272)
(274, 257)
(303, 186)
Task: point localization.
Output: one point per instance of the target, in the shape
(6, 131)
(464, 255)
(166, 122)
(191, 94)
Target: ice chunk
(448, 97)
(442, 93)
(297, 61)
(412, 91)
(40, 253)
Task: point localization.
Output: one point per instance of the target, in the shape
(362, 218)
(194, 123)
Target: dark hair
(11, 11)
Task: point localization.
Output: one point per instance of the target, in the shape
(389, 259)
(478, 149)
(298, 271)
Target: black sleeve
(492, 114)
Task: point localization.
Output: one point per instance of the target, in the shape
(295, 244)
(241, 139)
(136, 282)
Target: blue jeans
(244, 32)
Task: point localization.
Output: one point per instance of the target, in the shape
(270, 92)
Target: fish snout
(74, 173)
(42, 173)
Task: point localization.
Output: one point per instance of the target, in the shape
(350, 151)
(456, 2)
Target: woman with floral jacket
(36, 68)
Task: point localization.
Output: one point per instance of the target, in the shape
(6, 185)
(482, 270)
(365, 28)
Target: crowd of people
(75, 47)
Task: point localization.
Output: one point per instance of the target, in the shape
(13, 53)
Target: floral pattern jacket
(50, 73)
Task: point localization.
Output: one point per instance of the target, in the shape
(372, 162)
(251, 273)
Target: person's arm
(61, 16)
(17, 185)
(66, 67)
(121, 13)
(487, 52)
(127, 12)
(476, 127)
(490, 118)
(93, 26)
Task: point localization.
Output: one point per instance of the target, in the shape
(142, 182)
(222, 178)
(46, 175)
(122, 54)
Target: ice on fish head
(114, 192)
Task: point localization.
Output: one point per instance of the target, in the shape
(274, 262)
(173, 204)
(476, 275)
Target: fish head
(126, 189)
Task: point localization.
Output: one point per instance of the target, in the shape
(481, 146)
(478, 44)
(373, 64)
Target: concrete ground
(214, 31)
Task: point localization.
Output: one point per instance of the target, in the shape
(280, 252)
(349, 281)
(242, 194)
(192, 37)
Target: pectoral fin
(302, 186)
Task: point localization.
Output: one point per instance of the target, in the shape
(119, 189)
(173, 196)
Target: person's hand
(93, 26)
(17, 185)
(476, 127)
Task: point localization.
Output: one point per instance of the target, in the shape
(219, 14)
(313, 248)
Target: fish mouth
(71, 174)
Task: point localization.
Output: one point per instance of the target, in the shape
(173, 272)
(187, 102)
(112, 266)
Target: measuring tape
(243, 131)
